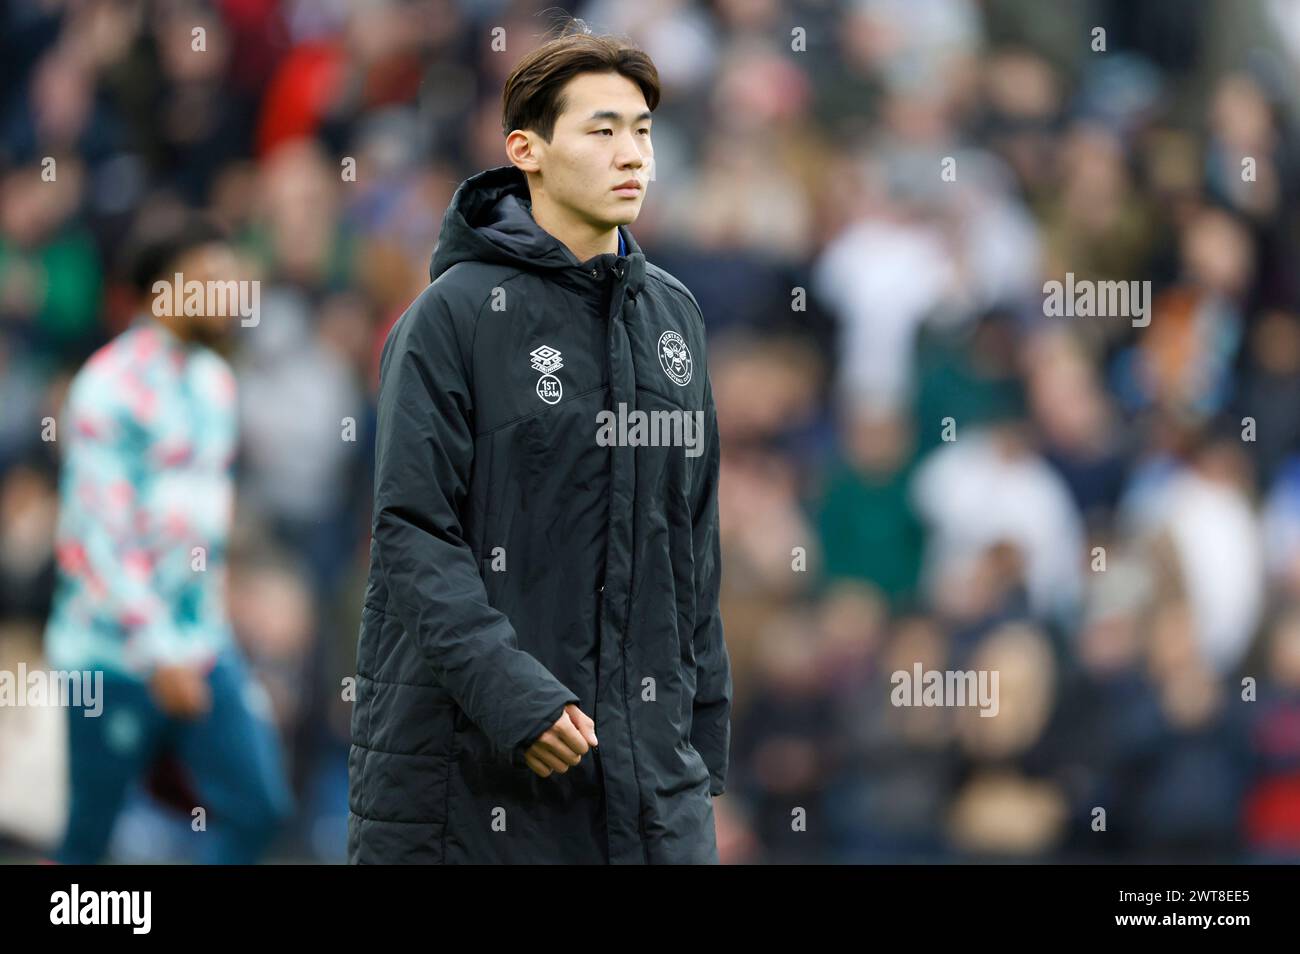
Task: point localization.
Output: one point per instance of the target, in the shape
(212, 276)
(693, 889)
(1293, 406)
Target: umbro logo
(547, 361)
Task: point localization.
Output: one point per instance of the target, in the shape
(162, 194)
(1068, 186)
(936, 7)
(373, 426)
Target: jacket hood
(489, 220)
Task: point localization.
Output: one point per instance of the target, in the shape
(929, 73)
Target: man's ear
(522, 150)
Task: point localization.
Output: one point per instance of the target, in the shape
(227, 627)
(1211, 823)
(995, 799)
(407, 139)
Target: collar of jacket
(172, 343)
(489, 220)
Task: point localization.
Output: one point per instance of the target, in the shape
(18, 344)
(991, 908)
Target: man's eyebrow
(610, 114)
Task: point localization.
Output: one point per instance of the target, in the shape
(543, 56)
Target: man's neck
(581, 239)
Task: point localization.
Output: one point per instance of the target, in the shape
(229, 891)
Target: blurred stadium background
(854, 299)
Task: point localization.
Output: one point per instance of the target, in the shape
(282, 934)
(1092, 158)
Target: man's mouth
(630, 189)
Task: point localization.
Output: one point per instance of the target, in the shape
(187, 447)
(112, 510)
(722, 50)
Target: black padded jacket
(520, 560)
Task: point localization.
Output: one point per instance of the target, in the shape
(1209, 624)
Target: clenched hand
(562, 745)
(181, 691)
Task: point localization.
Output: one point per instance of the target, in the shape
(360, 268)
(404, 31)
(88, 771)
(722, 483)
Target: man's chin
(212, 334)
(624, 215)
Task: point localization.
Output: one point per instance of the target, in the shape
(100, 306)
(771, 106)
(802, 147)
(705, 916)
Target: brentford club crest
(547, 361)
(675, 358)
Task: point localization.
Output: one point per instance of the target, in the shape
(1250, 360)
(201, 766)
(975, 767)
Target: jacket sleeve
(424, 454)
(711, 723)
(105, 502)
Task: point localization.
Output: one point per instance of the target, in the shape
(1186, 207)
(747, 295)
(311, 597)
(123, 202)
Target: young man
(541, 671)
(149, 429)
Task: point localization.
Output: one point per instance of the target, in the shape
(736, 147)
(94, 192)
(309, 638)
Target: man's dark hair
(155, 246)
(531, 98)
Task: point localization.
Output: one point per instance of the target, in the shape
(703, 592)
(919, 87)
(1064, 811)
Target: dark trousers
(230, 758)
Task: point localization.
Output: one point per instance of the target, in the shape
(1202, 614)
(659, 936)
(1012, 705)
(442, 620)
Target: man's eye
(610, 131)
(646, 131)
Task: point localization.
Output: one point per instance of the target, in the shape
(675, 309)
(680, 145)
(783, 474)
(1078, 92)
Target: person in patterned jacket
(148, 433)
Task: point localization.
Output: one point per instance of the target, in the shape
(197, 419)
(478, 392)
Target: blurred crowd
(918, 463)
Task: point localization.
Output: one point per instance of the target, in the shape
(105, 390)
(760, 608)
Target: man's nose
(630, 155)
